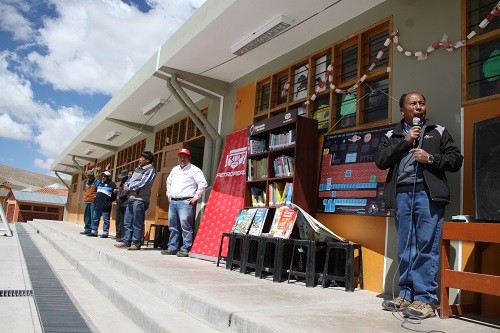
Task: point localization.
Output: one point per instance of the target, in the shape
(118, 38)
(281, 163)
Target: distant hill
(19, 179)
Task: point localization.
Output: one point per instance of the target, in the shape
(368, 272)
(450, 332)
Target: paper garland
(394, 38)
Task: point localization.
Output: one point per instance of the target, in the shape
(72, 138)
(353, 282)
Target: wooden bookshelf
(291, 141)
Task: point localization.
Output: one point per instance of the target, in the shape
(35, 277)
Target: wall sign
(350, 182)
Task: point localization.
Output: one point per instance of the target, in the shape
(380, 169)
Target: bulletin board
(350, 182)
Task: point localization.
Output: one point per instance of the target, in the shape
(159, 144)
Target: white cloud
(56, 133)
(96, 46)
(16, 94)
(41, 164)
(13, 21)
(11, 129)
(90, 47)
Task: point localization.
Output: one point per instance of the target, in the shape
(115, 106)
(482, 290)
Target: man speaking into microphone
(417, 154)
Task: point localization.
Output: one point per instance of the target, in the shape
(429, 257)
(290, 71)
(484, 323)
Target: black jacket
(437, 142)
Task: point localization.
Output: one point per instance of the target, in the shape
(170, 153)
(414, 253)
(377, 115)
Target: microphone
(416, 122)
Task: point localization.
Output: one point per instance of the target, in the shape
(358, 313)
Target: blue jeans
(96, 218)
(419, 223)
(180, 223)
(135, 213)
(88, 211)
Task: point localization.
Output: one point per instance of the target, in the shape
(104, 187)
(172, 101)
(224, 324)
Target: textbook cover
(244, 220)
(258, 222)
(283, 222)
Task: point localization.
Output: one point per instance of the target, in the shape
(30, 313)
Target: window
(52, 210)
(346, 111)
(24, 207)
(482, 51)
(351, 93)
(39, 209)
(184, 130)
(376, 102)
(263, 93)
(348, 63)
(128, 158)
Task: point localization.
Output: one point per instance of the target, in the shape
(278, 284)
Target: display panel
(350, 182)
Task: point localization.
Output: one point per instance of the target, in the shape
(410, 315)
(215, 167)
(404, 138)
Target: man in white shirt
(185, 185)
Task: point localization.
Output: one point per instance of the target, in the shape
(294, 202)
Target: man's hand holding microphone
(413, 136)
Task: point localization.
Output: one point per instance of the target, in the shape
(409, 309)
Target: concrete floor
(144, 291)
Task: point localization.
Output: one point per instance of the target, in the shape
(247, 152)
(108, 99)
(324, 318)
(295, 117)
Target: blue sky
(61, 61)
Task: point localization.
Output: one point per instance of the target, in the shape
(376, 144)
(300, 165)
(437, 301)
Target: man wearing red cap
(185, 185)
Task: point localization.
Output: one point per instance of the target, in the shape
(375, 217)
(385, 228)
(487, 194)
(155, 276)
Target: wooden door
(167, 164)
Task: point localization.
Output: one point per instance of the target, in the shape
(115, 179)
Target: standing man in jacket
(185, 185)
(138, 188)
(102, 205)
(89, 193)
(417, 154)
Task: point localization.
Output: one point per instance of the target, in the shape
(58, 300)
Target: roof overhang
(199, 53)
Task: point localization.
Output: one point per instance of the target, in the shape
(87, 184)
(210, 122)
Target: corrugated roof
(19, 179)
(42, 198)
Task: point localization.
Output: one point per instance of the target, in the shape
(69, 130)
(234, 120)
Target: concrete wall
(420, 24)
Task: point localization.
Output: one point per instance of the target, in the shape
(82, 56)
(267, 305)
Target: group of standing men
(185, 186)
(417, 153)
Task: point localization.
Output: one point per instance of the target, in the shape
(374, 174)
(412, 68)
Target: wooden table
(482, 234)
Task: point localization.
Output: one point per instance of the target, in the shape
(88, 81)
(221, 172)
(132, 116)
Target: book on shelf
(257, 169)
(288, 196)
(283, 223)
(281, 140)
(258, 222)
(258, 196)
(283, 166)
(312, 229)
(256, 145)
(244, 220)
(276, 194)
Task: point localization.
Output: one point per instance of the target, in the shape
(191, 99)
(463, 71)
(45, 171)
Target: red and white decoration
(420, 55)
(226, 198)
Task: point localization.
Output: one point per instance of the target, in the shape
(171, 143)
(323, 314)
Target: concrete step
(111, 300)
(98, 311)
(213, 298)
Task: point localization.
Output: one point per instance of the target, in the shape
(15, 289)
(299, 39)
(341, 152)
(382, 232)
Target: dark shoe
(420, 310)
(119, 239)
(396, 304)
(134, 247)
(168, 252)
(122, 245)
(84, 232)
(103, 236)
(91, 235)
(183, 254)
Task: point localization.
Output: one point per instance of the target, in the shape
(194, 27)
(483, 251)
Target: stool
(252, 254)
(273, 253)
(306, 256)
(227, 235)
(346, 273)
(237, 250)
(160, 239)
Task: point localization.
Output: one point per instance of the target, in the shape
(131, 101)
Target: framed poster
(350, 182)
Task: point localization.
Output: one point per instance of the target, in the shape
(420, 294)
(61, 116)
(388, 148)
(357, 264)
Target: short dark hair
(147, 155)
(402, 98)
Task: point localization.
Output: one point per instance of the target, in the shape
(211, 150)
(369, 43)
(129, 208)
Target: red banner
(226, 198)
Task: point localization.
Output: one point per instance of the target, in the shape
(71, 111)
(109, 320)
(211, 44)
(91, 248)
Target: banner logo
(236, 157)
